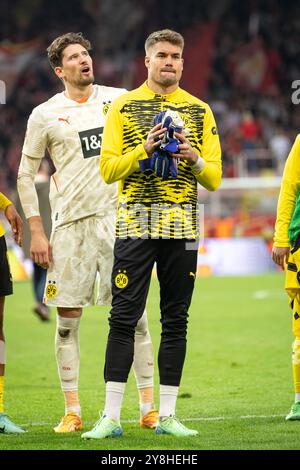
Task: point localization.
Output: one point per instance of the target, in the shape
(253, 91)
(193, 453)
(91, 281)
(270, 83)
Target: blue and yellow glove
(161, 162)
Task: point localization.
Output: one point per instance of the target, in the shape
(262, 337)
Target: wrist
(197, 165)
(36, 226)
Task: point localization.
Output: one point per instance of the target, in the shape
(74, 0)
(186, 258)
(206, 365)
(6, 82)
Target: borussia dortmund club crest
(121, 279)
(51, 290)
(106, 107)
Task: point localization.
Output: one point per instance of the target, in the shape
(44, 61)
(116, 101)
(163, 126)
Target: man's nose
(169, 61)
(83, 59)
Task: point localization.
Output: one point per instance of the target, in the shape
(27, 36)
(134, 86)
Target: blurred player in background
(6, 288)
(286, 253)
(70, 127)
(129, 139)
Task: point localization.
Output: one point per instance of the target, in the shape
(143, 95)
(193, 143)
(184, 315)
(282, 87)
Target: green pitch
(237, 381)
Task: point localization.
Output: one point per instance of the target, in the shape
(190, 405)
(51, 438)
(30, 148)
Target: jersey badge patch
(105, 108)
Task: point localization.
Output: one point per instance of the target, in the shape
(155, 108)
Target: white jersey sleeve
(26, 188)
(35, 142)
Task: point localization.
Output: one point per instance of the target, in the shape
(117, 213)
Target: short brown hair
(165, 35)
(56, 48)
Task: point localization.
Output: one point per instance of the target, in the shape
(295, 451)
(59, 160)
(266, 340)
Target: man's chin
(88, 80)
(168, 81)
(85, 81)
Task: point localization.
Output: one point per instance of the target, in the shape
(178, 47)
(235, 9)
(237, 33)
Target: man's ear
(59, 72)
(147, 61)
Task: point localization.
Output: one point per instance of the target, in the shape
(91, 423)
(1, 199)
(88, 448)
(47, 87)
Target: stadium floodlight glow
(2, 92)
(296, 94)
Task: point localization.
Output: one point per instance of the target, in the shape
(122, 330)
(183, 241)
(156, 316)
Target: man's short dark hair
(56, 48)
(165, 35)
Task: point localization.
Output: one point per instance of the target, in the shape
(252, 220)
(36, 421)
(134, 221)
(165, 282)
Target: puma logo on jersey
(192, 274)
(65, 119)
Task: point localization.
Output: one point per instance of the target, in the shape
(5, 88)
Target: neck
(161, 89)
(78, 93)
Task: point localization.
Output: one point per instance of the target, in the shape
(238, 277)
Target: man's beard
(82, 82)
(168, 81)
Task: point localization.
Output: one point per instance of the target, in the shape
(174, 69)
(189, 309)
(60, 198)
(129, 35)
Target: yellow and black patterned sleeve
(4, 202)
(289, 190)
(114, 164)
(210, 176)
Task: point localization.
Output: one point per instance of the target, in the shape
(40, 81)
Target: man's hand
(16, 223)
(280, 255)
(154, 139)
(185, 149)
(40, 248)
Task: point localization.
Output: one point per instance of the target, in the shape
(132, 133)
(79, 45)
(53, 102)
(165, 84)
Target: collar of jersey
(78, 102)
(167, 97)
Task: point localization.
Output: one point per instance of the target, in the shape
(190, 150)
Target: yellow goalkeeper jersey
(149, 207)
(287, 226)
(4, 203)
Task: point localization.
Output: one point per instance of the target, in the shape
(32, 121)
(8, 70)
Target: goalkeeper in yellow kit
(146, 132)
(286, 252)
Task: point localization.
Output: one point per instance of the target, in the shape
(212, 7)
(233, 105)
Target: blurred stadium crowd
(251, 62)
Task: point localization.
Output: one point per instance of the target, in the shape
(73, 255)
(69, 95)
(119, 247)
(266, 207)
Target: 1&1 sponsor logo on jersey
(91, 142)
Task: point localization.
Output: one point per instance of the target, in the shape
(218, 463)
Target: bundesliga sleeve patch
(91, 142)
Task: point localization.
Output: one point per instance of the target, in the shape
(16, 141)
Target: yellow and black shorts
(292, 279)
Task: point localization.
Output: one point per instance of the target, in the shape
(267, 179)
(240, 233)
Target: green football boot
(8, 427)
(294, 414)
(105, 427)
(171, 425)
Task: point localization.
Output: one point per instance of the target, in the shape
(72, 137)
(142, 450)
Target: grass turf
(236, 386)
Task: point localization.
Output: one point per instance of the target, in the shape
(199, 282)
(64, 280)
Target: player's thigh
(296, 318)
(176, 271)
(105, 233)
(6, 285)
(131, 274)
(292, 286)
(70, 281)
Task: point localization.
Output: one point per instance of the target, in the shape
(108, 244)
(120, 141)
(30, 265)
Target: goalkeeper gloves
(161, 162)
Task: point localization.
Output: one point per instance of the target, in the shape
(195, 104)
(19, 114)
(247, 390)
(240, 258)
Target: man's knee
(127, 320)
(65, 312)
(141, 328)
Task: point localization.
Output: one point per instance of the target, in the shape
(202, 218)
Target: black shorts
(6, 285)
